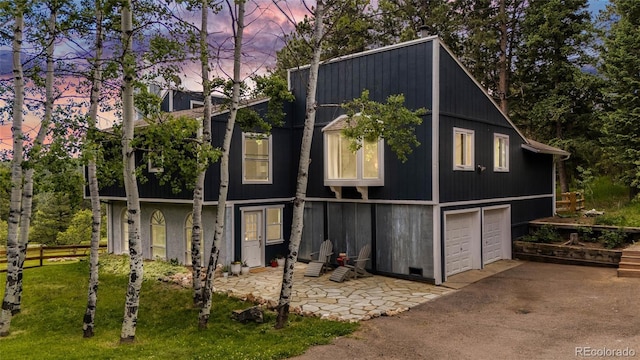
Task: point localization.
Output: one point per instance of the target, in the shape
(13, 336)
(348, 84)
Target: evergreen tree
(621, 67)
(552, 106)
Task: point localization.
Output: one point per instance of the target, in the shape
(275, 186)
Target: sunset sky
(266, 25)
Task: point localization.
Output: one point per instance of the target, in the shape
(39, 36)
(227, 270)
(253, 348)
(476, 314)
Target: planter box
(566, 254)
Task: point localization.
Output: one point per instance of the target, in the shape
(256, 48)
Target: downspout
(435, 162)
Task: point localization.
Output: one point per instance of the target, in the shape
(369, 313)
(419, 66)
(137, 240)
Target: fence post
(41, 253)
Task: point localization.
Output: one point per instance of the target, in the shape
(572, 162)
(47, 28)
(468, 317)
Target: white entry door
(252, 243)
(458, 242)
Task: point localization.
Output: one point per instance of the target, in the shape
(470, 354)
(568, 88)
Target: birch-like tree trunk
(15, 207)
(27, 192)
(198, 192)
(303, 171)
(94, 192)
(130, 320)
(205, 311)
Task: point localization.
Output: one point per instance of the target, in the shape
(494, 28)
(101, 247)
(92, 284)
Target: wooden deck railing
(36, 255)
(570, 203)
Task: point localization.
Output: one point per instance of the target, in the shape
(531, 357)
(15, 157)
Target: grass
(50, 325)
(613, 199)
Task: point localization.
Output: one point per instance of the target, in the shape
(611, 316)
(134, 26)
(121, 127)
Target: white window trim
(274, 241)
(496, 167)
(264, 221)
(192, 104)
(152, 245)
(270, 175)
(359, 180)
(153, 168)
(466, 132)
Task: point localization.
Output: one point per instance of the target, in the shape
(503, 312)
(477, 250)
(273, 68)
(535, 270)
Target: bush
(611, 220)
(4, 232)
(545, 234)
(613, 238)
(79, 229)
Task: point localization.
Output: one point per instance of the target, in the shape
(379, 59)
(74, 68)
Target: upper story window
(463, 154)
(344, 167)
(256, 158)
(194, 104)
(500, 152)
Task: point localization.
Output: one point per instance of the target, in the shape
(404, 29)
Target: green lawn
(50, 325)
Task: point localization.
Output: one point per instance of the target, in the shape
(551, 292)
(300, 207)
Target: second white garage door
(496, 237)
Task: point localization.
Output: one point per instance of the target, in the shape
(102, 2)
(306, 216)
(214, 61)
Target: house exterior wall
(175, 216)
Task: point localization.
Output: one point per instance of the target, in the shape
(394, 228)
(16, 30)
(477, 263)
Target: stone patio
(352, 300)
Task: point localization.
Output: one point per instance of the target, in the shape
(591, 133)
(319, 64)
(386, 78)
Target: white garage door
(458, 240)
(492, 236)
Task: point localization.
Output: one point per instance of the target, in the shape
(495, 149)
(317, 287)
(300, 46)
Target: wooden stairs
(629, 265)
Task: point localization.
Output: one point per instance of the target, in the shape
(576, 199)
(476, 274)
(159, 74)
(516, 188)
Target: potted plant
(236, 267)
(274, 262)
(280, 259)
(225, 271)
(245, 267)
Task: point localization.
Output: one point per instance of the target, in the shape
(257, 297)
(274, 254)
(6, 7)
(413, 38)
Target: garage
(461, 241)
(496, 234)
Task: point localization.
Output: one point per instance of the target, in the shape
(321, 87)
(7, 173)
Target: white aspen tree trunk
(13, 257)
(198, 192)
(303, 171)
(205, 311)
(27, 192)
(88, 320)
(132, 301)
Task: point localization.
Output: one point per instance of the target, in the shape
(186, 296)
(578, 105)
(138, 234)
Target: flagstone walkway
(353, 300)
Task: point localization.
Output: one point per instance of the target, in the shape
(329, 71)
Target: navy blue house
(471, 187)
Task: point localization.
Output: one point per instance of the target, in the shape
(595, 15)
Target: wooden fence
(36, 255)
(570, 203)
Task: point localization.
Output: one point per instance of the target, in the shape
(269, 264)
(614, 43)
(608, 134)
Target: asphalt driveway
(533, 311)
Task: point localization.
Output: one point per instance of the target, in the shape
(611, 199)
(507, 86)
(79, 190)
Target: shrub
(79, 229)
(613, 238)
(544, 234)
(4, 232)
(585, 233)
(611, 220)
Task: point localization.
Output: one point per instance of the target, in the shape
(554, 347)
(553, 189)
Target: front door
(252, 244)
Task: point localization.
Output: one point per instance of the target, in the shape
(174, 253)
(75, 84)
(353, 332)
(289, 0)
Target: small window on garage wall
(500, 152)
(463, 152)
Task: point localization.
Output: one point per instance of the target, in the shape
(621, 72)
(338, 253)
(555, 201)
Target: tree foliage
(392, 121)
(621, 68)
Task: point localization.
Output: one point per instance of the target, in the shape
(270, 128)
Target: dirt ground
(533, 311)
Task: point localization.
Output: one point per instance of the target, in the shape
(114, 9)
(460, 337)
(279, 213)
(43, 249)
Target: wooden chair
(317, 267)
(346, 272)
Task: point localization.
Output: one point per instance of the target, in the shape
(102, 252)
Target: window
(188, 231)
(158, 236)
(344, 167)
(463, 149)
(500, 152)
(194, 104)
(256, 164)
(274, 225)
(155, 164)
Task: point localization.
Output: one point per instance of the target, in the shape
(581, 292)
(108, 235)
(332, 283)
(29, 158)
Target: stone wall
(564, 254)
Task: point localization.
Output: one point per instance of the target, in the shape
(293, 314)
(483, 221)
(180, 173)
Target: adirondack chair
(318, 266)
(346, 272)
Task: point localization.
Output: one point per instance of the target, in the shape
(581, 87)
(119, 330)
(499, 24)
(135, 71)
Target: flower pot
(280, 261)
(274, 264)
(225, 274)
(245, 270)
(235, 269)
